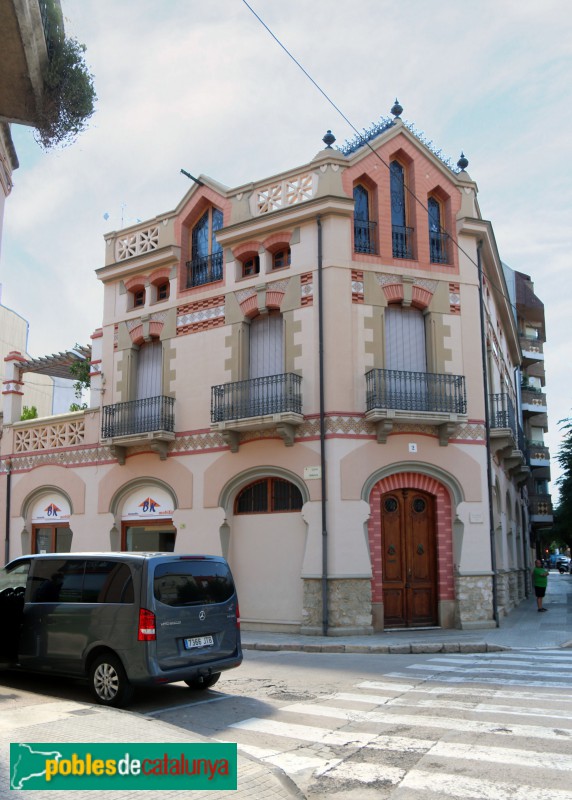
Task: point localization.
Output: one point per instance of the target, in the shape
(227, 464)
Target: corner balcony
(532, 350)
(534, 403)
(540, 508)
(273, 401)
(421, 398)
(507, 439)
(148, 422)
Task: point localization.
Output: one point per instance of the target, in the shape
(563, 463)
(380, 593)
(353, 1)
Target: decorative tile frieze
(307, 289)
(357, 286)
(455, 298)
(138, 243)
(201, 315)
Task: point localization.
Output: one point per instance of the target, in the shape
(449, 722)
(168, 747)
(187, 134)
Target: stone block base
(349, 607)
(474, 601)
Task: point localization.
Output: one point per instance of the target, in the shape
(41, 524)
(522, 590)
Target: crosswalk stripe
(364, 772)
(481, 708)
(421, 721)
(483, 678)
(425, 688)
(305, 733)
(563, 665)
(459, 786)
(502, 755)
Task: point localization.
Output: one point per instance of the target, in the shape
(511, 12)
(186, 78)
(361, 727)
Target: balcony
(273, 401)
(415, 397)
(532, 350)
(148, 422)
(402, 241)
(438, 247)
(540, 508)
(364, 236)
(507, 439)
(534, 402)
(205, 269)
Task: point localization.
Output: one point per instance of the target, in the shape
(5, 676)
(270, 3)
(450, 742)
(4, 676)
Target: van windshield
(186, 583)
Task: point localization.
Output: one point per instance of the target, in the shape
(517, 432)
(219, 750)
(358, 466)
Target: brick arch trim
(443, 525)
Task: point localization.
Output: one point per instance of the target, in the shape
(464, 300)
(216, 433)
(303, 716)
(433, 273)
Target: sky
(204, 87)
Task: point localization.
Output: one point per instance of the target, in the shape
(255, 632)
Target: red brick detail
(455, 288)
(205, 325)
(15, 355)
(249, 307)
(137, 335)
(274, 299)
(443, 525)
(201, 305)
(275, 241)
(305, 280)
(97, 334)
(155, 328)
(421, 297)
(246, 249)
(136, 282)
(393, 292)
(357, 277)
(161, 274)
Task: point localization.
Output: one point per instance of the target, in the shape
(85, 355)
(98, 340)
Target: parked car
(120, 620)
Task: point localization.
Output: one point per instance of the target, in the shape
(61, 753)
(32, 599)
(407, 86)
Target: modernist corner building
(318, 376)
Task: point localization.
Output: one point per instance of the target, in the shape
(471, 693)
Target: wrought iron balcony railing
(364, 236)
(438, 247)
(415, 391)
(138, 417)
(206, 269)
(402, 240)
(502, 413)
(257, 397)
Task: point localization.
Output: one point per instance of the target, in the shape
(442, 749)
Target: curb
(382, 649)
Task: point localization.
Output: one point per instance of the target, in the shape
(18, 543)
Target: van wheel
(109, 682)
(203, 683)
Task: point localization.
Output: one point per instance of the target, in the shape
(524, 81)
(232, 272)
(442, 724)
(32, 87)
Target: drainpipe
(525, 533)
(322, 433)
(488, 438)
(8, 464)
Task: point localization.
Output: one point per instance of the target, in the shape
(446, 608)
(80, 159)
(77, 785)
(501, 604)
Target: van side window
(107, 582)
(15, 578)
(185, 583)
(80, 581)
(56, 581)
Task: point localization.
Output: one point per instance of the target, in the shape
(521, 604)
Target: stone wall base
(474, 601)
(349, 607)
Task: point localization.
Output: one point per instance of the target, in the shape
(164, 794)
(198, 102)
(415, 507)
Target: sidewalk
(68, 721)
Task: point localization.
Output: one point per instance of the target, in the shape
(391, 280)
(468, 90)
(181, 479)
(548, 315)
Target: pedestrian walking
(540, 581)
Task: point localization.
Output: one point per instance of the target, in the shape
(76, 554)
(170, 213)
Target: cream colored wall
(265, 556)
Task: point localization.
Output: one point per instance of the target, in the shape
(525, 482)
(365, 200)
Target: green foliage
(69, 94)
(29, 413)
(80, 370)
(562, 529)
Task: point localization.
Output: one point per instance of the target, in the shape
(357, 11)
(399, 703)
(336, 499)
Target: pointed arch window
(364, 226)
(437, 237)
(205, 265)
(268, 496)
(402, 236)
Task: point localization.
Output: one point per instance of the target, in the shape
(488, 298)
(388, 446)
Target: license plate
(198, 641)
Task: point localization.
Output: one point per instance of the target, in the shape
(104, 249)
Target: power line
(375, 152)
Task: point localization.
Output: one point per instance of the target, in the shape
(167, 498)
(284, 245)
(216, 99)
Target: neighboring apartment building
(290, 373)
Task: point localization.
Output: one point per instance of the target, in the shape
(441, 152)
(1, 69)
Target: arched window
(268, 496)
(205, 265)
(364, 228)
(437, 237)
(281, 257)
(401, 234)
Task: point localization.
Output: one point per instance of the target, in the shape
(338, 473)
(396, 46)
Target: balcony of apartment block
(508, 443)
(272, 401)
(540, 508)
(139, 423)
(421, 398)
(532, 348)
(28, 32)
(533, 401)
(539, 460)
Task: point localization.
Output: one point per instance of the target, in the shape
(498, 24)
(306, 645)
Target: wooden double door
(409, 562)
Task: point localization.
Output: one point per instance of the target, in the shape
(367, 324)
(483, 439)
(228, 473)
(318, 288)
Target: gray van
(121, 620)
